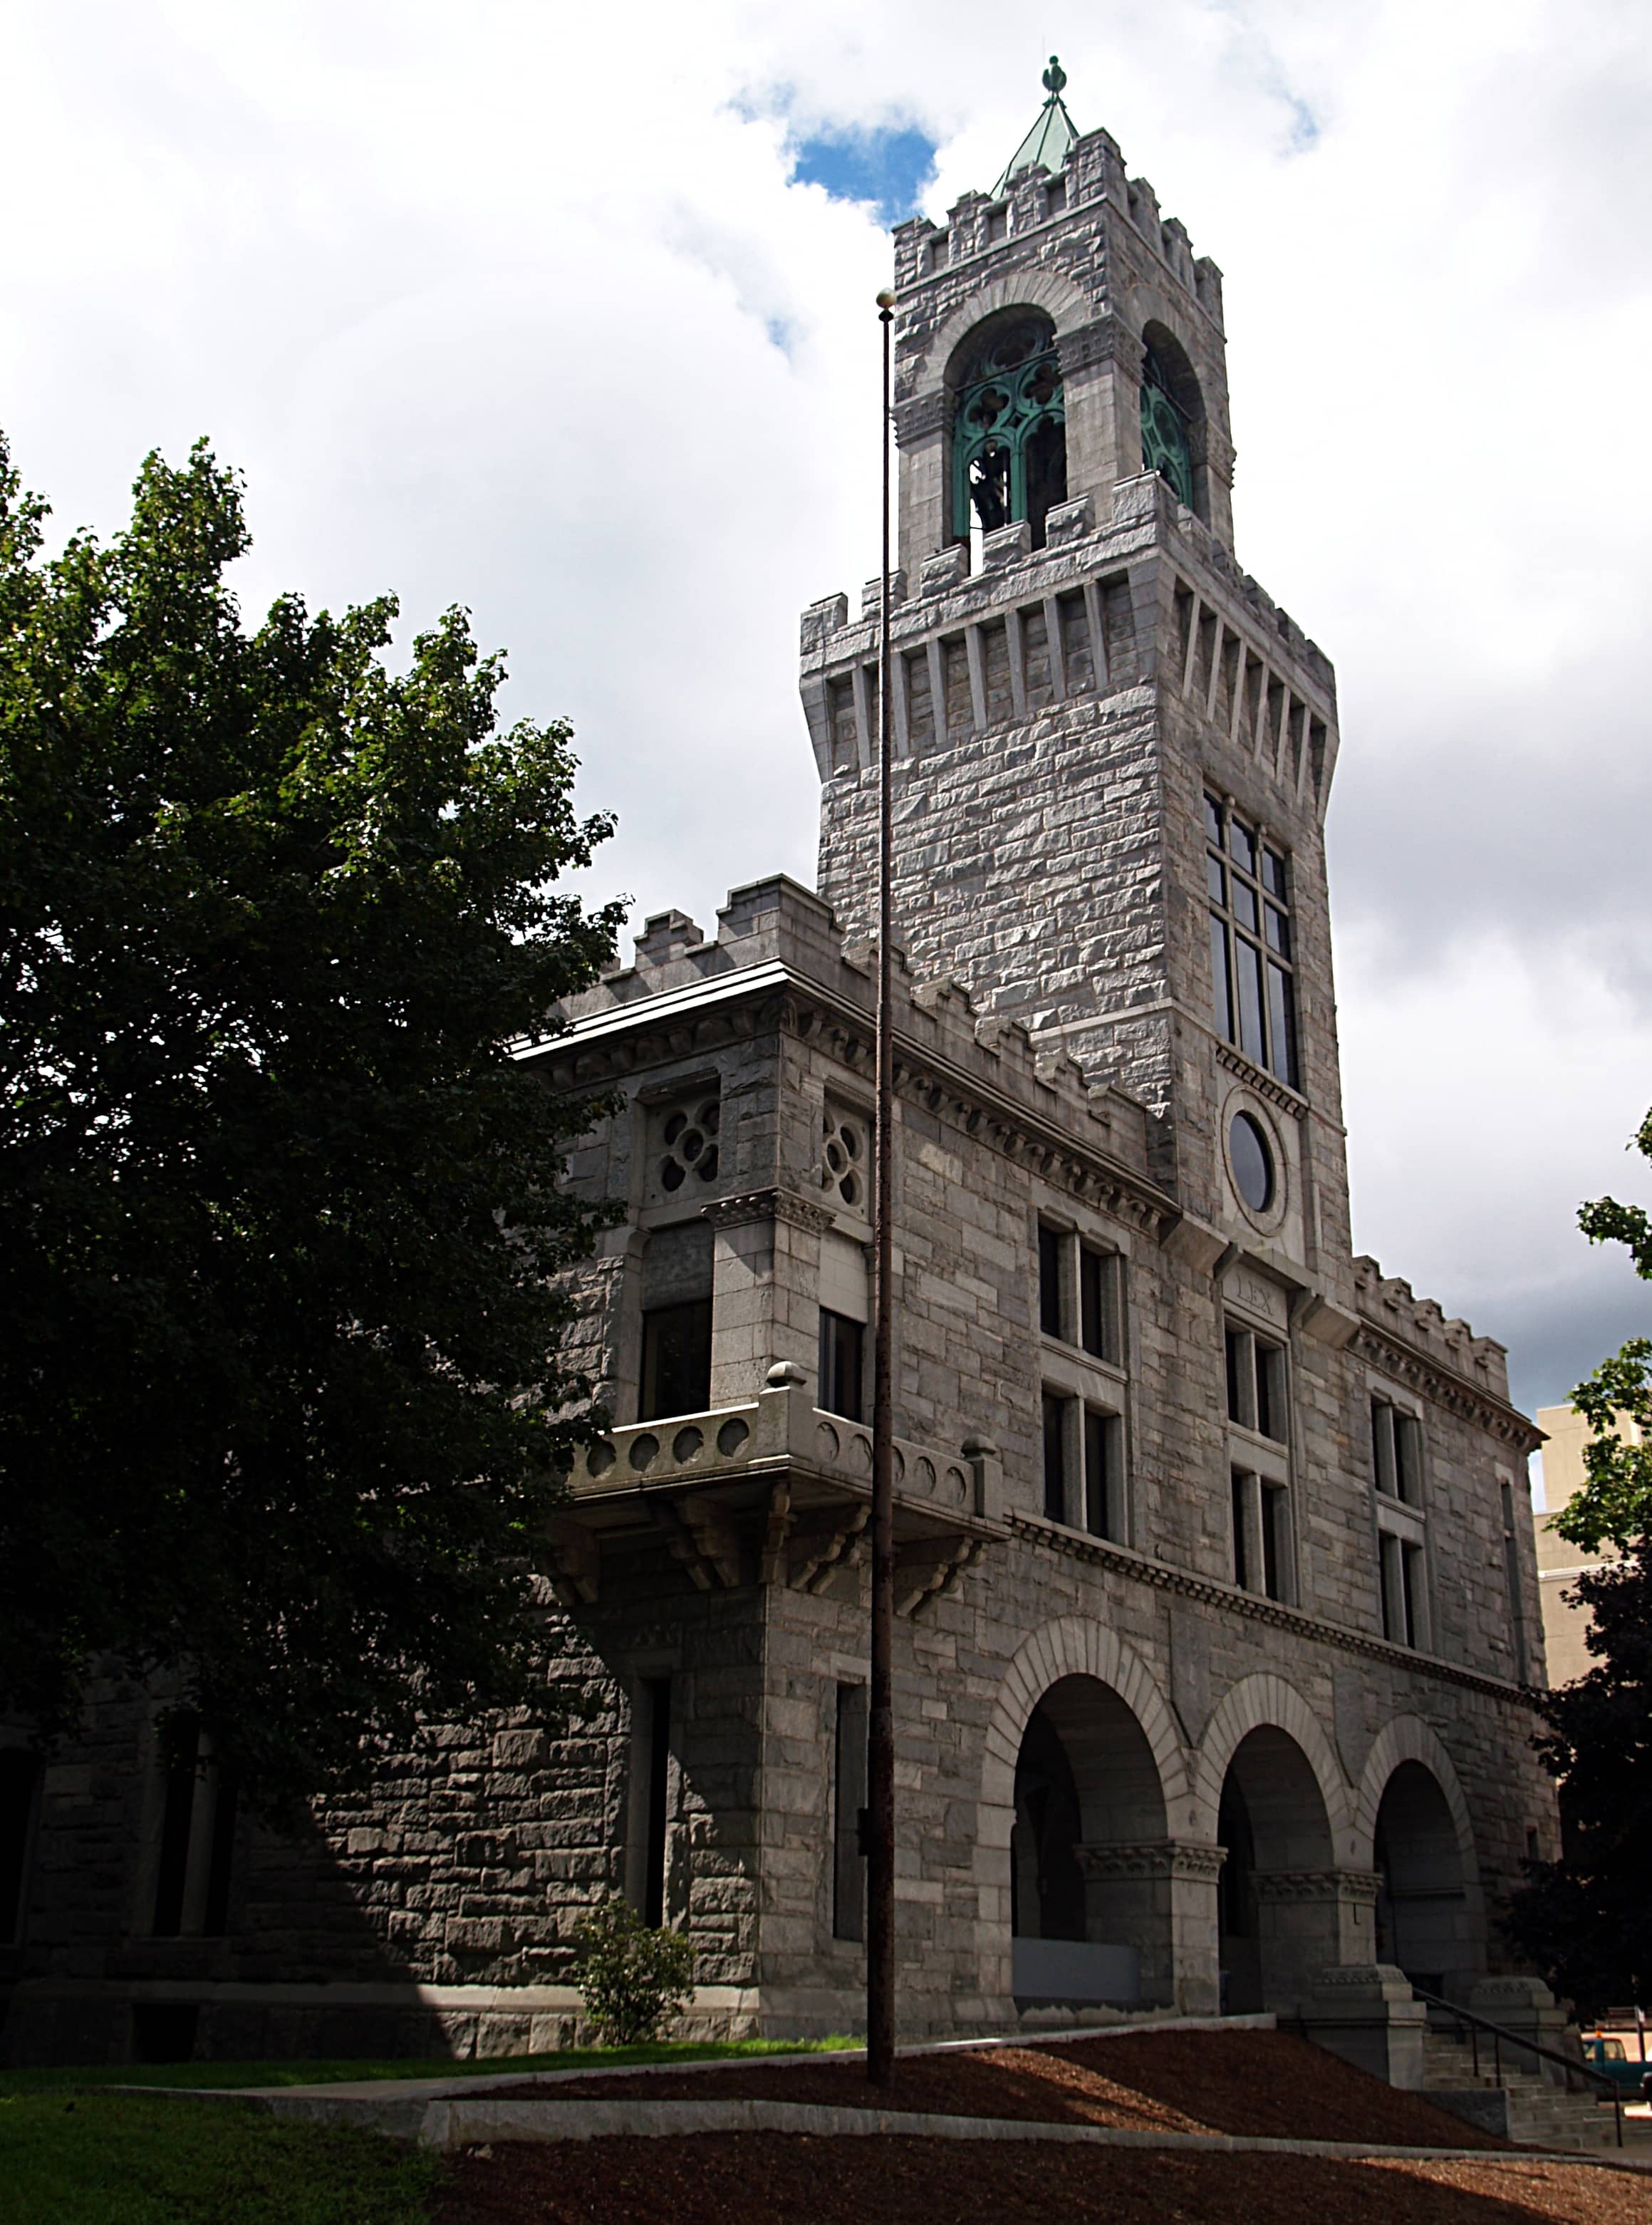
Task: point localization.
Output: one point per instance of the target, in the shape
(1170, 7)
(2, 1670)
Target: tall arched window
(1008, 431)
(1165, 448)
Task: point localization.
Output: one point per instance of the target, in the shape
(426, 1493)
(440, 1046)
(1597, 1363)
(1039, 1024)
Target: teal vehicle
(1610, 2056)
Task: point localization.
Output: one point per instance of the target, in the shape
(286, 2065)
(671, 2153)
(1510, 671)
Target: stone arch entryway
(1429, 1917)
(1287, 1903)
(1083, 1789)
(1275, 1897)
(1086, 1864)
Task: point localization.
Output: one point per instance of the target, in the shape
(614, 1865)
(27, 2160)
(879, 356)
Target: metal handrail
(1478, 2023)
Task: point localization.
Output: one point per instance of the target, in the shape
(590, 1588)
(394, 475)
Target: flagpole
(880, 1743)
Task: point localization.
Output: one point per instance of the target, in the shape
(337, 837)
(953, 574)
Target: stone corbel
(698, 1536)
(1197, 1243)
(930, 1569)
(1327, 1324)
(829, 1551)
(576, 1563)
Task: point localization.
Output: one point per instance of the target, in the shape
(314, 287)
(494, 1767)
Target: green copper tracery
(1164, 432)
(1009, 440)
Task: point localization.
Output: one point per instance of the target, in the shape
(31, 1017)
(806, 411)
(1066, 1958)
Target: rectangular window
(1399, 1572)
(676, 1361)
(842, 1347)
(1098, 1303)
(1274, 1542)
(1055, 1458)
(1253, 989)
(1512, 1584)
(657, 1700)
(1411, 1588)
(1257, 1386)
(1241, 1542)
(1397, 1453)
(1104, 1512)
(192, 1888)
(1052, 1258)
(849, 1798)
(20, 1776)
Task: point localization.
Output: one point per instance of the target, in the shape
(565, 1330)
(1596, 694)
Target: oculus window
(1252, 1162)
(1010, 432)
(1253, 981)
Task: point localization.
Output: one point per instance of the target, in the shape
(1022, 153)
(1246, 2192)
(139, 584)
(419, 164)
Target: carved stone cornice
(1150, 1859)
(1159, 1575)
(1342, 1887)
(921, 419)
(768, 1205)
(1430, 1380)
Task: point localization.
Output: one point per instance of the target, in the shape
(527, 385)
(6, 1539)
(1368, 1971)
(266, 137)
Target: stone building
(1216, 1604)
(1566, 1619)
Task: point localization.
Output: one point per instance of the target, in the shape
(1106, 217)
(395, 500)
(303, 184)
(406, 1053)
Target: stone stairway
(1539, 2114)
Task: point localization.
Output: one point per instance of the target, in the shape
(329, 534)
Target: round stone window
(1252, 1162)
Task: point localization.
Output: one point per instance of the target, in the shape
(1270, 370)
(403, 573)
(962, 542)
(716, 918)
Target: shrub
(631, 1976)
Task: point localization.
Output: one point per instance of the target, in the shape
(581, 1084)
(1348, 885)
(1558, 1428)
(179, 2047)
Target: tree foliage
(1615, 1505)
(1586, 1919)
(281, 1402)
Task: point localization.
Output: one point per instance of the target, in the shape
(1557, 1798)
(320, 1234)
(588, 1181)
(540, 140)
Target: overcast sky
(567, 316)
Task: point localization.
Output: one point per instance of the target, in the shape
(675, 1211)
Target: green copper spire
(1046, 146)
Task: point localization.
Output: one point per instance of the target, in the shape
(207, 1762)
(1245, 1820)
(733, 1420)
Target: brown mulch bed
(1258, 2083)
(713, 2178)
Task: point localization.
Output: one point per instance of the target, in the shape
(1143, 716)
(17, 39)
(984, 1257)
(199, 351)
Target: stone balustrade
(782, 1427)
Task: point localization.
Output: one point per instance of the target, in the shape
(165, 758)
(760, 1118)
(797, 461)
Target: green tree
(1586, 1919)
(1615, 1505)
(280, 1399)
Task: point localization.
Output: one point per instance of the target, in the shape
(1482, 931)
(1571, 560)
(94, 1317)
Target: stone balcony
(773, 1492)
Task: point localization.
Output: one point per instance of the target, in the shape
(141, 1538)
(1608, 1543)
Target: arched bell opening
(1172, 419)
(1009, 428)
(1424, 1918)
(1277, 1895)
(1090, 1866)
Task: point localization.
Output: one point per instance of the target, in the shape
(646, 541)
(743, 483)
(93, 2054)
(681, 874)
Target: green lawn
(77, 2079)
(73, 2153)
(124, 2159)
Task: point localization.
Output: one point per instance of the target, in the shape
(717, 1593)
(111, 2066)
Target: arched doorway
(1276, 1922)
(1422, 1905)
(1089, 1863)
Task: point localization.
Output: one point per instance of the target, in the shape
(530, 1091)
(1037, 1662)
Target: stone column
(765, 1289)
(1309, 1920)
(1101, 379)
(1366, 2014)
(1159, 1897)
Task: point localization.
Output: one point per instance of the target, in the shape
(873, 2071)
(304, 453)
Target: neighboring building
(1559, 1564)
(1215, 1614)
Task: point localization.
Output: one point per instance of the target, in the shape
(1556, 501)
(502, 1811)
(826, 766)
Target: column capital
(768, 1205)
(1151, 1858)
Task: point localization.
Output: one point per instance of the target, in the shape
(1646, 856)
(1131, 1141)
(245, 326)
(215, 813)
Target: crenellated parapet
(1412, 1338)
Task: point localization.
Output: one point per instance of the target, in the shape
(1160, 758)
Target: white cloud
(515, 305)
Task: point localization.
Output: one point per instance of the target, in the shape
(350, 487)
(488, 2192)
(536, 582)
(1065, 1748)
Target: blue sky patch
(888, 167)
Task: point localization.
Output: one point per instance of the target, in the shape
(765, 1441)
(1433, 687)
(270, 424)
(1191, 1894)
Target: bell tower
(1113, 750)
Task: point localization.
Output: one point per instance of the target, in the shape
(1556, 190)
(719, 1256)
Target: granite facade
(1185, 1692)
